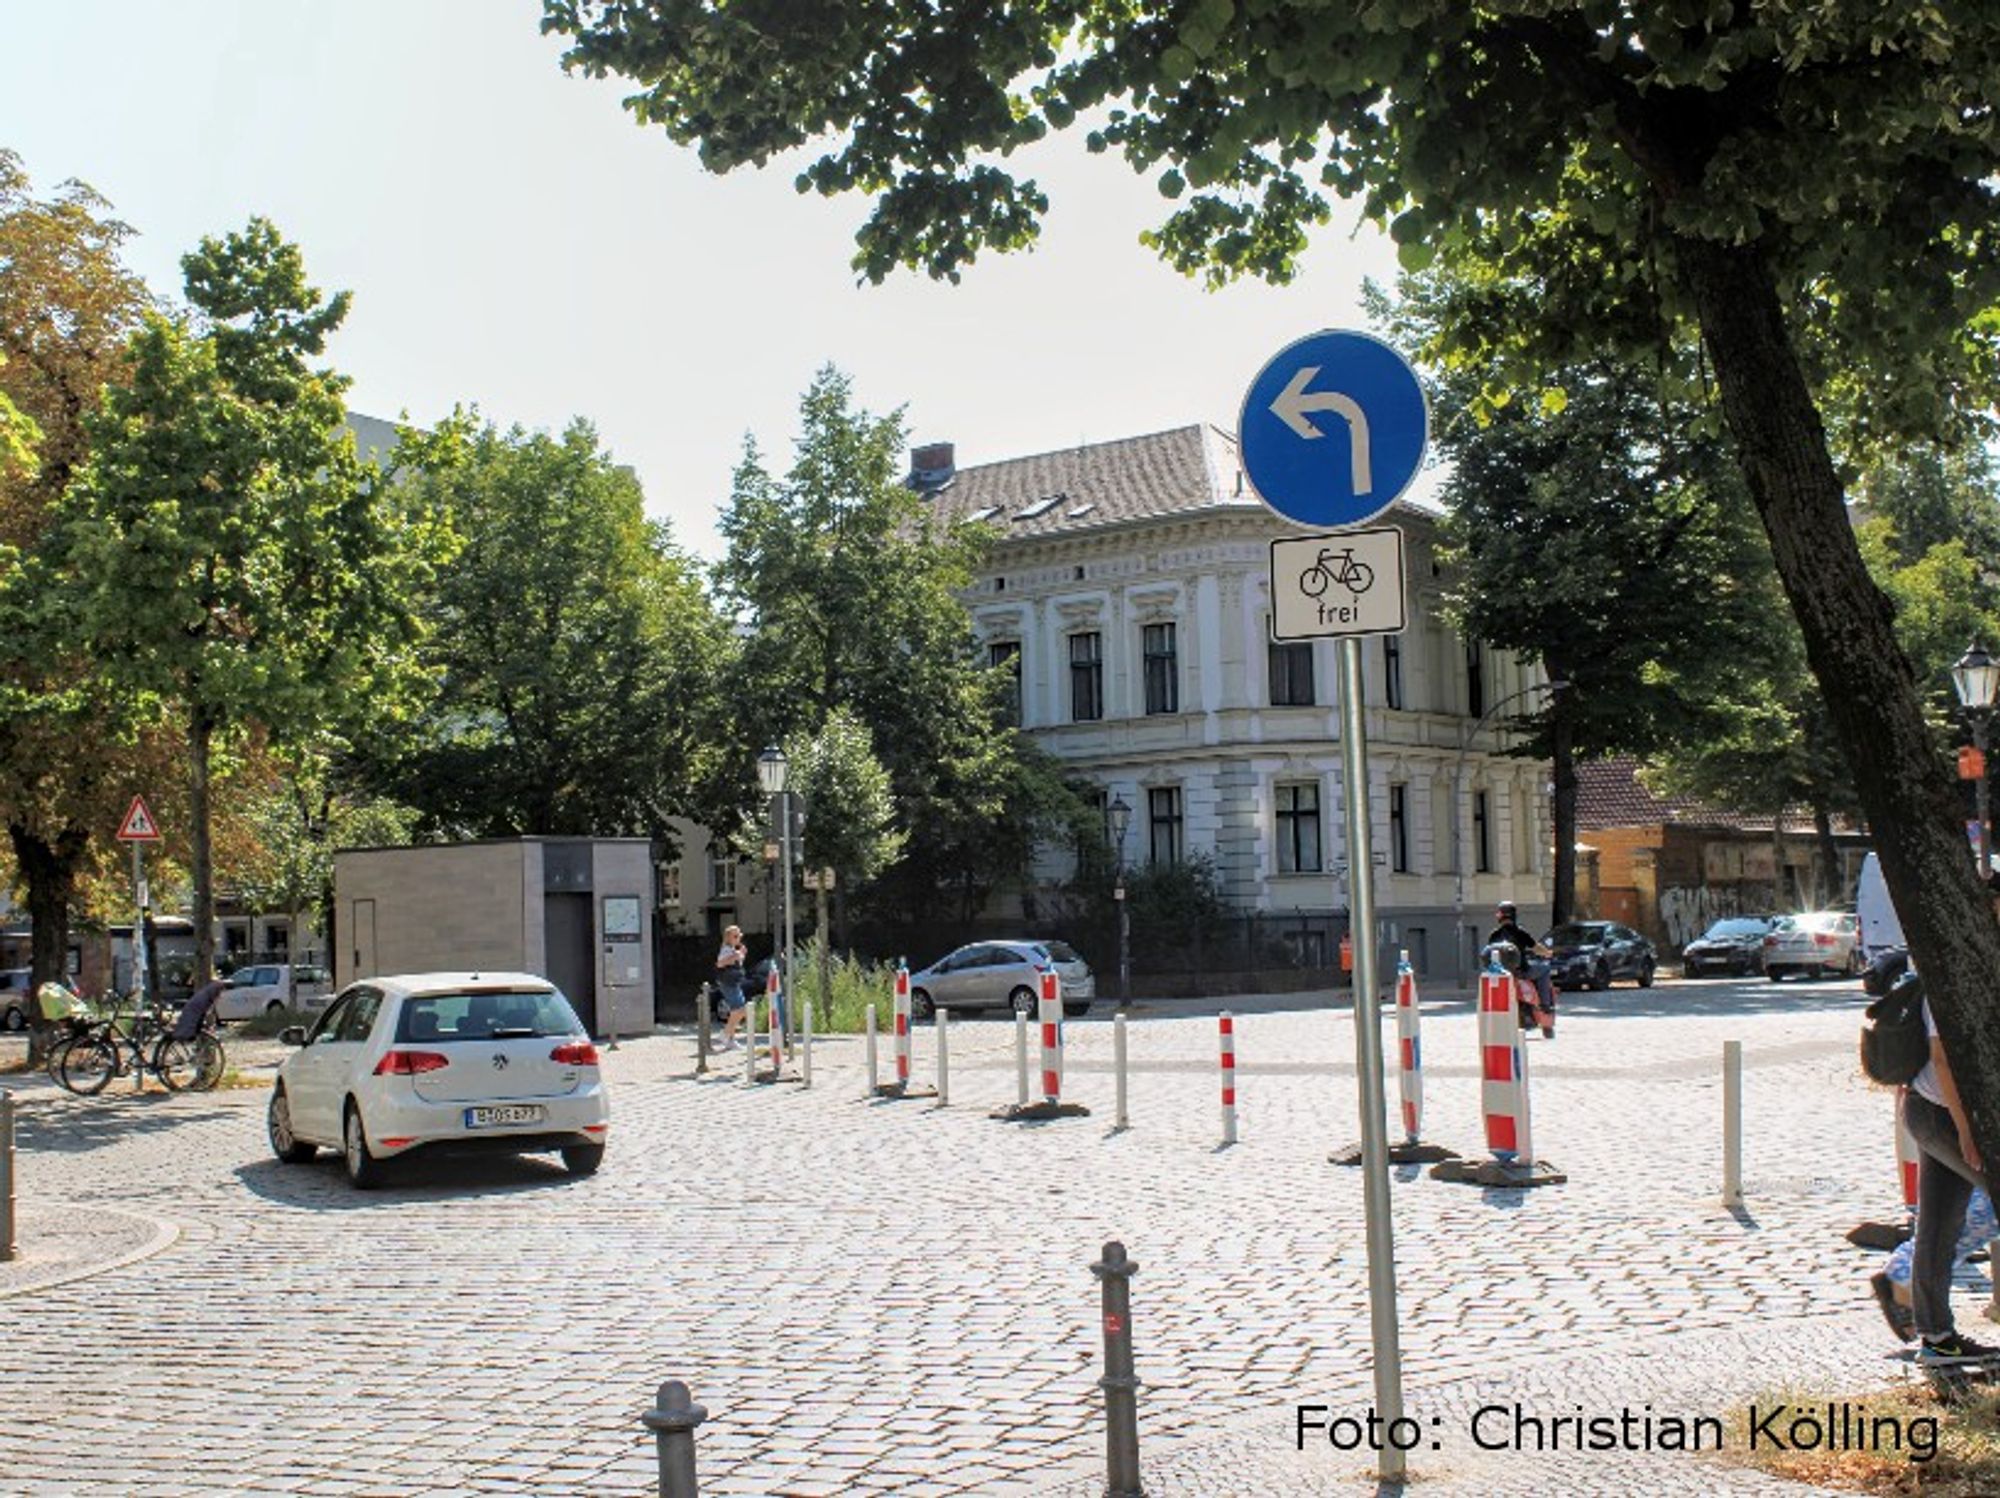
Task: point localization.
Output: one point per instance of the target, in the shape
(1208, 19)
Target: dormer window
(1041, 506)
(985, 513)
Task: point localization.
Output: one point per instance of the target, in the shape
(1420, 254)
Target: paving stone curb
(61, 1242)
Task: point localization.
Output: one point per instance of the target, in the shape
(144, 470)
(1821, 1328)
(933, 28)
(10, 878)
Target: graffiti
(1687, 912)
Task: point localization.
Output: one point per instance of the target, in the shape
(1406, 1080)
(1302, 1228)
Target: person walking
(729, 963)
(1949, 1170)
(1891, 1283)
(1508, 929)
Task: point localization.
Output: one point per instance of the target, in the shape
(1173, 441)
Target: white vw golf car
(444, 1061)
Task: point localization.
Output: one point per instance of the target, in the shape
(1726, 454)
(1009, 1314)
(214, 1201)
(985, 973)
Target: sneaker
(1902, 1321)
(1953, 1347)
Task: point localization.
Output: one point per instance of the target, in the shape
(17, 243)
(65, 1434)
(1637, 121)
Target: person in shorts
(729, 963)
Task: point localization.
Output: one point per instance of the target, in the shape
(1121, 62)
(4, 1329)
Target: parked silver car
(1001, 975)
(1815, 943)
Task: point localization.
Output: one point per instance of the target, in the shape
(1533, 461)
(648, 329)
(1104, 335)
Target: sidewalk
(59, 1241)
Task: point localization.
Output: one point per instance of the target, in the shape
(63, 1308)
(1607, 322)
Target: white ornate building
(1129, 591)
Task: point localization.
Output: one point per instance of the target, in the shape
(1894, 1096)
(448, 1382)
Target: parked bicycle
(89, 1061)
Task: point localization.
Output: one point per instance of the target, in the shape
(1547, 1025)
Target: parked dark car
(1735, 945)
(1596, 954)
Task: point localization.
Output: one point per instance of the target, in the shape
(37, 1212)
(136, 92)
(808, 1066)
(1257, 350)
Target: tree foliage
(71, 743)
(1812, 186)
(851, 808)
(232, 553)
(849, 598)
(579, 666)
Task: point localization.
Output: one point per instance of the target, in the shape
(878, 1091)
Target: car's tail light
(409, 1063)
(1823, 939)
(1770, 941)
(575, 1053)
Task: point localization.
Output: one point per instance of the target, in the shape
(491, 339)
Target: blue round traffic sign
(1333, 429)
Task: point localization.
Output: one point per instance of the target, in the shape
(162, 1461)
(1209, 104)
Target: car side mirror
(292, 1035)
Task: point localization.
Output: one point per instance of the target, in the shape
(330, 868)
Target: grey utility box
(576, 911)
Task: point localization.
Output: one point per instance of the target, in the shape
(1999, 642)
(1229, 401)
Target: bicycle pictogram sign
(1341, 567)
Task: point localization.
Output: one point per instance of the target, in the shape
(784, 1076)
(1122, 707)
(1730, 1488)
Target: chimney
(931, 467)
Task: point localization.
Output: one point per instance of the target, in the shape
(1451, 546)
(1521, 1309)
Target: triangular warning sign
(138, 826)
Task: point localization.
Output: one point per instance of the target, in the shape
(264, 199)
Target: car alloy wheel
(13, 1019)
(921, 1006)
(286, 1145)
(363, 1169)
(1022, 1001)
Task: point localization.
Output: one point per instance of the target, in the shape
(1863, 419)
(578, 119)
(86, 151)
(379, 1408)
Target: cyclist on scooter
(1532, 964)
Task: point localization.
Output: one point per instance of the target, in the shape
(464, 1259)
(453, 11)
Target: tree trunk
(1870, 690)
(49, 871)
(1563, 756)
(201, 735)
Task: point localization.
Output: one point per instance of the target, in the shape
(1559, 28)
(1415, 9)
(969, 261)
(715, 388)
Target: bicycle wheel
(188, 1065)
(88, 1066)
(1313, 581)
(1358, 578)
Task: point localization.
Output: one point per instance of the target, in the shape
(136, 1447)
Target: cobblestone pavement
(891, 1296)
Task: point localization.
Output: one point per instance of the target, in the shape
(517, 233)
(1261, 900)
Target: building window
(1392, 672)
(1291, 674)
(1298, 828)
(1086, 677)
(1163, 682)
(721, 877)
(1163, 812)
(1399, 829)
(1482, 839)
(1475, 679)
(1005, 655)
(670, 884)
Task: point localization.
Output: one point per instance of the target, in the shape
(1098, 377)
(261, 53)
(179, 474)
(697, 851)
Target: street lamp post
(1976, 677)
(1121, 822)
(771, 774)
(1554, 685)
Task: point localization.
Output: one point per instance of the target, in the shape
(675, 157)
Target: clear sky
(513, 240)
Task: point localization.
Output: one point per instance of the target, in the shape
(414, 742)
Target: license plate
(503, 1113)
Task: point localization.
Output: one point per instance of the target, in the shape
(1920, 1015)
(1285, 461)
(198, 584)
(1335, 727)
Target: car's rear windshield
(1744, 927)
(1059, 951)
(510, 1014)
(1819, 920)
(1575, 936)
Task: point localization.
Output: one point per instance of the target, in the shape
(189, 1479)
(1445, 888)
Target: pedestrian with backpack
(1899, 1045)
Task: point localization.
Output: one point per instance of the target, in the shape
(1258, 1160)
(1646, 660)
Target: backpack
(1894, 1045)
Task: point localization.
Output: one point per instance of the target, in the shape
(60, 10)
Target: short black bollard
(672, 1421)
(1120, 1383)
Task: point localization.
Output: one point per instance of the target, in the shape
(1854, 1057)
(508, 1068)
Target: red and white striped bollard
(1409, 1050)
(1503, 1070)
(771, 991)
(1906, 1165)
(902, 1014)
(1228, 1077)
(1049, 1013)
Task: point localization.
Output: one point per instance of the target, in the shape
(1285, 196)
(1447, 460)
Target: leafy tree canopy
(849, 598)
(578, 663)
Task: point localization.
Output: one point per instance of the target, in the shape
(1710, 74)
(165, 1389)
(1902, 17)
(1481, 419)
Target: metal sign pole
(139, 921)
(1368, 1064)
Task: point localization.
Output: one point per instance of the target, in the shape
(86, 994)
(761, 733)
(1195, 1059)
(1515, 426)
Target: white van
(267, 987)
(1880, 927)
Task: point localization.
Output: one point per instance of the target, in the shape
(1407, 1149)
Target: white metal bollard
(1122, 1121)
(871, 1046)
(1732, 1123)
(942, 1024)
(1228, 1077)
(1020, 1059)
